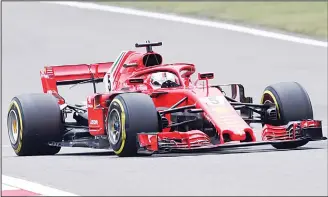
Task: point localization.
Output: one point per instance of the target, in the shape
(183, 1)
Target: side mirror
(204, 76)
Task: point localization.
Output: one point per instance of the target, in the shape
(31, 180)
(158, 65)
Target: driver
(157, 79)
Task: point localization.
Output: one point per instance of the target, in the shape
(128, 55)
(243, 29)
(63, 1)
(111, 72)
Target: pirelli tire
(293, 103)
(128, 115)
(32, 121)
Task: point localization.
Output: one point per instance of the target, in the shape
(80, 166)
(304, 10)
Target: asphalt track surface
(36, 34)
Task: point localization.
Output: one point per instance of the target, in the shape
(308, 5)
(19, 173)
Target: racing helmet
(157, 79)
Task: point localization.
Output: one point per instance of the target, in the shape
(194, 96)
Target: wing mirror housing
(205, 76)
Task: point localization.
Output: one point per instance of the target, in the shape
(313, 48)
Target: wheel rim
(114, 127)
(267, 99)
(13, 126)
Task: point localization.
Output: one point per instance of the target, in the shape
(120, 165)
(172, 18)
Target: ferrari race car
(149, 107)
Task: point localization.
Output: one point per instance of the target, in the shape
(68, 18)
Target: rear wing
(53, 76)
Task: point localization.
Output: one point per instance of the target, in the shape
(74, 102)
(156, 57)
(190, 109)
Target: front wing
(197, 141)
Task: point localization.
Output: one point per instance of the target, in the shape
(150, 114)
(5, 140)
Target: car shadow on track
(220, 152)
(232, 151)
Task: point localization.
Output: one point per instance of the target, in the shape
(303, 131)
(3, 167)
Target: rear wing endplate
(53, 76)
(73, 74)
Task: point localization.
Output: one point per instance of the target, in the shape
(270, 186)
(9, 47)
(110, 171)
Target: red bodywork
(130, 65)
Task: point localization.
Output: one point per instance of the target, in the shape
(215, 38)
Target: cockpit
(164, 80)
(150, 71)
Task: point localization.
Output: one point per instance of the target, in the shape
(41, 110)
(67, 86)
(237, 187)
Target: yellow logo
(14, 124)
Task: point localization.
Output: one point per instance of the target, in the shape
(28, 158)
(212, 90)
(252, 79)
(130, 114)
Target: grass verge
(308, 18)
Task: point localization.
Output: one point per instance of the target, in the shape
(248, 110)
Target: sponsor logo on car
(94, 122)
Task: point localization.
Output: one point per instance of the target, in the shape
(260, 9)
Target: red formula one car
(149, 107)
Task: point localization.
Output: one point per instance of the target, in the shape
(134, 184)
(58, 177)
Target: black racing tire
(293, 103)
(134, 113)
(34, 120)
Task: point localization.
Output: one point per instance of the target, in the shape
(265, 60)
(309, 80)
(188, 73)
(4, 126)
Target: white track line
(33, 187)
(7, 187)
(192, 21)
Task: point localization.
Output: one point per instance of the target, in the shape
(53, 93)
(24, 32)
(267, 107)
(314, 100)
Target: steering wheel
(169, 84)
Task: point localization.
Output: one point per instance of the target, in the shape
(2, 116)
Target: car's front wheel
(128, 115)
(292, 103)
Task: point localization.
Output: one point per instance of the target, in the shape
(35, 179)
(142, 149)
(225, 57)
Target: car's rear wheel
(32, 121)
(128, 115)
(292, 103)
